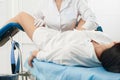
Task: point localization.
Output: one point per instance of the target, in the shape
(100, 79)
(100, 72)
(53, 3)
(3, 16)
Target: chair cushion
(51, 71)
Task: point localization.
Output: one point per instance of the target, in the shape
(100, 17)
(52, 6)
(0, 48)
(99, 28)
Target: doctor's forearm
(86, 25)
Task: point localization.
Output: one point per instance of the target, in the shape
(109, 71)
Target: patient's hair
(110, 58)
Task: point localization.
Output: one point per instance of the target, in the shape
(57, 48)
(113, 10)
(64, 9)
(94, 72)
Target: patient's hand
(33, 55)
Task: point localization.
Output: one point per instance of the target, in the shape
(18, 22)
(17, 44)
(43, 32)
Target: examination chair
(49, 71)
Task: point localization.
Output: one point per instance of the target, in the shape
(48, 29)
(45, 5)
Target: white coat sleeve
(38, 16)
(38, 12)
(86, 14)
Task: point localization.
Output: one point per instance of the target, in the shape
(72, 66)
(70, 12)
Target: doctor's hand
(39, 23)
(80, 29)
(32, 56)
(80, 25)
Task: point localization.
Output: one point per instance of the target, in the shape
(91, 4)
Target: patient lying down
(82, 48)
(74, 47)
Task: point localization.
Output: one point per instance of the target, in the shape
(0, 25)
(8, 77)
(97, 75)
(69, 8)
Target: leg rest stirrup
(7, 31)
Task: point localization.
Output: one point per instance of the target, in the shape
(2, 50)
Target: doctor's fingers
(39, 23)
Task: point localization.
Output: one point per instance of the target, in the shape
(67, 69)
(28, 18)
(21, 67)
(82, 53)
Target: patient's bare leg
(26, 21)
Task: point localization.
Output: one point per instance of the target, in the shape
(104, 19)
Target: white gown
(69, 47)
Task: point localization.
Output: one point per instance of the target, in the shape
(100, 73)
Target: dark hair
(110, 58)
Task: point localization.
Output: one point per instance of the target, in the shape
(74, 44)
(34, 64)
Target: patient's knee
(21, 16)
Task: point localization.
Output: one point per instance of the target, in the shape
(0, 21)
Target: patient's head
(110, 58)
